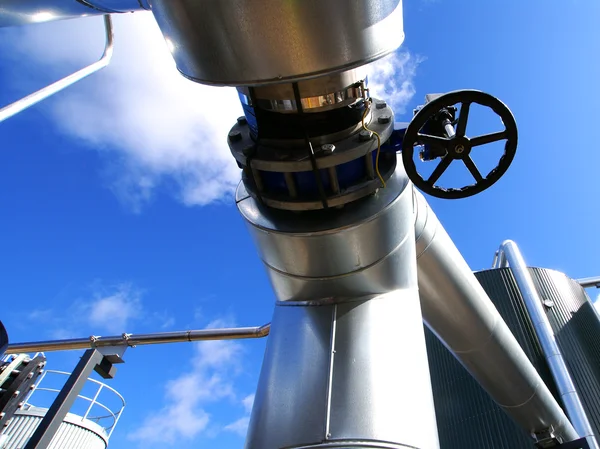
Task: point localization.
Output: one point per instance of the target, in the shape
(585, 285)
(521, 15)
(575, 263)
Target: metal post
(42, 437)
(543, 329)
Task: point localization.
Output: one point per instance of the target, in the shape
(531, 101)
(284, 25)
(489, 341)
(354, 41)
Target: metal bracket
(92, 360)
(42, 94)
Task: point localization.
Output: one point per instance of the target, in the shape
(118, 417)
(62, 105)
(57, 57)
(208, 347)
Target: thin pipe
(34, 98)
(133, 340)
(543, 329)
(589, 282)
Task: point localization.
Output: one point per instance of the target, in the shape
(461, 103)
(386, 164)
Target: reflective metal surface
(457, 309)
(590, 282)
(42, 94)
(327, 254)
(317, 94)
(251, 42)
(346, 375)
(346, 363)
(24, 12)
(545, 334)
(140, 339)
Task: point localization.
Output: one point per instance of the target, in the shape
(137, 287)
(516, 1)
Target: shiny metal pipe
(543, 329)
(42, 94)
(589, 282)
(133, 340)
(457, 309)
(346, 363)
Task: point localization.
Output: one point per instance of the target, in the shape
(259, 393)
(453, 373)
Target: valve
(433, 128)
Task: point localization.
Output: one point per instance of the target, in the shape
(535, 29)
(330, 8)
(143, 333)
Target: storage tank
(466, 416)
(94, 416)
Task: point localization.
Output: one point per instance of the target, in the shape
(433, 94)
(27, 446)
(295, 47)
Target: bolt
(235, 135)
(459, 149)
(328, 148)
(242, 120)
(365, 135)
(248, 150)
(16, 394)
(548, 303)
(381, 105)
(383, 119)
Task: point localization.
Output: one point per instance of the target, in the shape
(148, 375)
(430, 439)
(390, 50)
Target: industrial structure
(356, 257)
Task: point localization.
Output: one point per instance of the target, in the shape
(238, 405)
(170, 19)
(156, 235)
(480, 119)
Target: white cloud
(240, 426)
(392, 79)
(113, 312)
(185, 415)
(248, 402)
(156, 127)
(107, 309)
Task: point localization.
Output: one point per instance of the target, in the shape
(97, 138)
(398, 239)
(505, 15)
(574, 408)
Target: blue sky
(116, 195)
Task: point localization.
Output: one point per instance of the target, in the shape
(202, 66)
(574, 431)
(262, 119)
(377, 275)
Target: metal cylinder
(457, 309)
(345, 365)
(251, 42)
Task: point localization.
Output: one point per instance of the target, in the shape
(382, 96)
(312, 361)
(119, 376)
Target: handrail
(132, 340)
(34, 98)
(114, 415)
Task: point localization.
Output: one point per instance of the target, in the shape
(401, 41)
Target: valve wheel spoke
(461, 127)
(439, 170)
(488, 138)
(473, 168)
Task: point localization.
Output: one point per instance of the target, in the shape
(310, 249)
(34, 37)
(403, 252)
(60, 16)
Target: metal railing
(112, 415)
(34, 98)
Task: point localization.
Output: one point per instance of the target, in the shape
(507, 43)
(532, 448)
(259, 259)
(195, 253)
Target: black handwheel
(459, 146)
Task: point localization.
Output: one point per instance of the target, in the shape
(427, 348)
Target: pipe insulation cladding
(457, 309)
(248, 42)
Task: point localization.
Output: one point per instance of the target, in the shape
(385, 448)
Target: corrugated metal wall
(70, 435)
(467, 418)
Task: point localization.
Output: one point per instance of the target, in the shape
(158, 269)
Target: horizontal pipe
(34, 98)
(543, 329)
(132, 340)
(457, 309)
(589, 282)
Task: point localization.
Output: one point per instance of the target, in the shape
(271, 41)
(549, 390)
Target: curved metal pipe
(589, 282)
(132, 340)
(42, 94)
(457, 309)
(543, 329)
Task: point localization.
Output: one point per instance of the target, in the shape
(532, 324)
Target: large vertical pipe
(457, 309)
(558, 367)
(345, 365)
